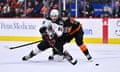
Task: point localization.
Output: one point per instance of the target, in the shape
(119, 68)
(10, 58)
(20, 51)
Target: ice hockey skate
(27, 57)
(69, 58)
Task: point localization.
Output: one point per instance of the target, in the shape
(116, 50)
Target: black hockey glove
(51, 42)
(42, 30)
(45, 36)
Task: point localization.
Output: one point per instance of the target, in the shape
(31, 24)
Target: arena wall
(96, 30)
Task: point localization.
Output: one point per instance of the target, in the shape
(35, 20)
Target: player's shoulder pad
(76, 22)
(73, 21)
(46, 21)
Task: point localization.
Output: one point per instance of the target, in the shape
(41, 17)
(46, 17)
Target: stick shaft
(24, 45)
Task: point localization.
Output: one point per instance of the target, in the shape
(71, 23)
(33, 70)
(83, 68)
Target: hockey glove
(42, 30)
(51, 42)
(45, 36)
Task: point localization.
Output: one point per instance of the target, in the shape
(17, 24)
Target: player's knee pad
(58, 58)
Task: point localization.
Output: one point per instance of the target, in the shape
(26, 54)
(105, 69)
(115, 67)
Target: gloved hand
(42, 30)
(45, 36)
(51, 42)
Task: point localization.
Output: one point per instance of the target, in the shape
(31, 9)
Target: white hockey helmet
(54, 13)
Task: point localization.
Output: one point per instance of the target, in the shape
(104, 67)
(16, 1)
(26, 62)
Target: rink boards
(100, 30)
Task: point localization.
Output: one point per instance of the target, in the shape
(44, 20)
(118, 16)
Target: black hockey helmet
(64, 13)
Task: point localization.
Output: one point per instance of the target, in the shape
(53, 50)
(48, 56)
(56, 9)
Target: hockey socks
(34, 52)
(85, 51)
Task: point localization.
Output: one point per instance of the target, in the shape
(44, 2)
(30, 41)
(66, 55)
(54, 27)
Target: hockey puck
(97, 64)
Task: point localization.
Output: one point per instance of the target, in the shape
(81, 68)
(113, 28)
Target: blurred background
(77, 8)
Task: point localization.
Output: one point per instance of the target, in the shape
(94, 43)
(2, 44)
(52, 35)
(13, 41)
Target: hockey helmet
(64, 13)
(54, 12)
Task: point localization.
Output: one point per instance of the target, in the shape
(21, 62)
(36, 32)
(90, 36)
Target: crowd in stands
(26, 8)
(41, 8)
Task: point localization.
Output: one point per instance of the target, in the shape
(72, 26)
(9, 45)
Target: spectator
(6, 10)
(14, 4)
(29, 9)
(37, 8)
(107, 11)
(87, 10)
(53, 4)
(116, 10)
(21, 8)
(1, 9)
(17, 13)
(45, 8)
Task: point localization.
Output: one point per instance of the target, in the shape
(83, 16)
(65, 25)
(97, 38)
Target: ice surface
(106, 55)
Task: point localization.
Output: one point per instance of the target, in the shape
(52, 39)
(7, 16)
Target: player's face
(64, 18)
(54, 18)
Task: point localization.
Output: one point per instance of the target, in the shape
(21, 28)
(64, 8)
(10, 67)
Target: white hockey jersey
(52, 28)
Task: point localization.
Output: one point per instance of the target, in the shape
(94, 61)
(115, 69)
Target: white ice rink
(106, 55)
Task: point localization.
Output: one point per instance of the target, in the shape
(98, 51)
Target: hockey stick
(24, 45)
(68, 57)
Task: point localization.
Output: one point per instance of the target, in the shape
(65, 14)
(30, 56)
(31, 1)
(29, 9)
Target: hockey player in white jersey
(51, 29)
(50, 32)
